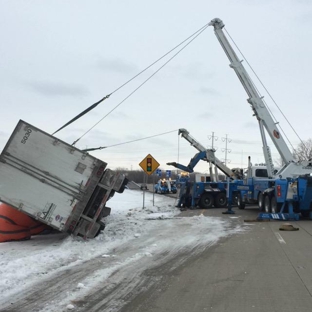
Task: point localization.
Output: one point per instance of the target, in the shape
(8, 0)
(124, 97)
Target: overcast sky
(59, 57)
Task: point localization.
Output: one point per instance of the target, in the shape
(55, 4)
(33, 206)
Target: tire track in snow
(111, 282)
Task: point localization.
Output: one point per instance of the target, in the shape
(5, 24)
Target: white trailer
(56, 183)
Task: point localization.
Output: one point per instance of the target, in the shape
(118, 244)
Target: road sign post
(154, 188)
(149, 164)
(156, 173)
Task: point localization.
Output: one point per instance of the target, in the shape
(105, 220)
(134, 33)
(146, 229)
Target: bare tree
(279, 163)
(304, 150)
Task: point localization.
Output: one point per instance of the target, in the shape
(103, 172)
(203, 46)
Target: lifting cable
(196, 34)
(137, 88)
(146, 80)
(152, 136)
(270, 97)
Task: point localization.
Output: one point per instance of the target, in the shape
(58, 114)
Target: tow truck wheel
(267, 204)
(240, 203)
(261, 201)
(305, 214)
(275, 206)
(220, 200)
(206, 201)
(235, 199)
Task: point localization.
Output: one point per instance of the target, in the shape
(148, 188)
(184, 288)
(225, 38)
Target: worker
(185, 200)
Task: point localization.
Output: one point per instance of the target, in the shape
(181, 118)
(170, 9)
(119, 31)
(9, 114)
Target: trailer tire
(267, 204)
(206, 200)
(102, 227)
(220, 200)
(106, 211)
(240, 203)
(261, 201)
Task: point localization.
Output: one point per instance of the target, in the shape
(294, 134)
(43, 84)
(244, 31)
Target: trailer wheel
(240, 203)
(102, 227)
(267, 204)
(275, 206)
(106, 211)
(220, 200)
(261, 201)
(206, 200)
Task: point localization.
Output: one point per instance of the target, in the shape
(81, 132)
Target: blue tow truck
(212, 193)
(286, 194)
(165, 187)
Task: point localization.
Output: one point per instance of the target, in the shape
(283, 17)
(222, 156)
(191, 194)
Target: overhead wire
(200, 30)
(136, 140)
(269, 96)
(145, 81)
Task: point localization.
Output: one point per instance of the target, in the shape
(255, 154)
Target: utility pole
(226, 150)
(212, 138)
(216, 175)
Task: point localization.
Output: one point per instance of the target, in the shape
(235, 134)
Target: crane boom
(291, 168)
(210, 155)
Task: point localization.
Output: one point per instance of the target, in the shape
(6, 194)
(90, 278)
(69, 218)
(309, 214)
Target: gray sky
(59, 57)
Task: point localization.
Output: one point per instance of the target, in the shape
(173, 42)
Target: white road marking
(280, 238)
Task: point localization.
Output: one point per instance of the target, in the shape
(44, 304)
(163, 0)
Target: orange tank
(15, 225)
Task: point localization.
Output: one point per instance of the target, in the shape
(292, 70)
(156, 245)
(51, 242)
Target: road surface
(260, 269)
(264, 270)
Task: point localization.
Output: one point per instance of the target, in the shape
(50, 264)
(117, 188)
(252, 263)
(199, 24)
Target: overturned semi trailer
(56, 183)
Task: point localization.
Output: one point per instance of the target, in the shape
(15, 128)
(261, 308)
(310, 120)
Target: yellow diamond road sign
(149, 164)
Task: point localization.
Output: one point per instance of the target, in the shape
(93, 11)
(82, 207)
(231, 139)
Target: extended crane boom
(204, 154)
(291, 168)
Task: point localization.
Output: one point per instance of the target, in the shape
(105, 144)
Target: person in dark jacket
(185, 200)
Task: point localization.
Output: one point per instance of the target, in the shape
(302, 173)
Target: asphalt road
(264, 269)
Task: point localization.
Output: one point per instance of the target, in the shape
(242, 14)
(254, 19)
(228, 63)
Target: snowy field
(135, 239)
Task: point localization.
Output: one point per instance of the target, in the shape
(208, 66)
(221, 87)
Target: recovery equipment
(289, 188)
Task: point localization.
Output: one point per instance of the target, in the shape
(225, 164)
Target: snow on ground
(146, 231)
